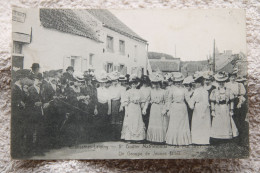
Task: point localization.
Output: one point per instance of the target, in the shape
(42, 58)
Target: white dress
(156, 130)
(133, 125)
(201, 122)
(145, 93)
(178, 132)
(223, 126)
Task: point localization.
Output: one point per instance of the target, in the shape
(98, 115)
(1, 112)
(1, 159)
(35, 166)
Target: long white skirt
(133, 125)
(156, 131)
(200, 124)
(223, 125)
(178, 132)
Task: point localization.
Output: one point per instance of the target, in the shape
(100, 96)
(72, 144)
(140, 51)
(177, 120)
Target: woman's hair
(200, 80)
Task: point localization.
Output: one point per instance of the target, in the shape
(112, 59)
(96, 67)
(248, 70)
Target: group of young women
(187, 111)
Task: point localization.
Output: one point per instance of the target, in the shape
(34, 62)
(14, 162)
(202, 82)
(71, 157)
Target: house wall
(133, 57)
(53, 49)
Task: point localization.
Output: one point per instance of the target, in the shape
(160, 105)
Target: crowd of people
(56, 109)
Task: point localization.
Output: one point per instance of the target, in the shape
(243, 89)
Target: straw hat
(207, 75)
(122, 78)
(221, 76)
(188, 80)
(156, 77)
(241, 79)
(178, 77)
(102, 77)
(113, 75)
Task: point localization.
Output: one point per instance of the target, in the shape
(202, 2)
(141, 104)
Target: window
(72, 62)
(122, 47)
(121, 67)
(110, 46)
(109, 67)
(76, 62)
(17, 47)
(91, 59)
(136, 51)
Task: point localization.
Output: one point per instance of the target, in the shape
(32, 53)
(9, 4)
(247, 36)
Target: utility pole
(175, 51)
(214, 58)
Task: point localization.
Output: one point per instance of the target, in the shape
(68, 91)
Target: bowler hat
(70, 68)
(35, 65)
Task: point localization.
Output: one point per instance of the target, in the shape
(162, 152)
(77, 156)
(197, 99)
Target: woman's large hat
(156, 77)
(178, 77)
(208, 75)
(221, 76)
(122, 78)
(102, 77)
(234, 72)
(113, 76)
(188, 80)
(241, 79)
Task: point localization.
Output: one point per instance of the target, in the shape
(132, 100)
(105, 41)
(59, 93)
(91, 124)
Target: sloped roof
(157, 55)
(67, 21)
(165, 66)
(112, 22)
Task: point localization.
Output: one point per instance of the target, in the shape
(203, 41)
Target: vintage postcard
(129, 84)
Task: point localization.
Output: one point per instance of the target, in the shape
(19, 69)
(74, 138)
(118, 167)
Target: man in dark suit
(17, 118)
(67, 77)
(35, 72)
(35, 105)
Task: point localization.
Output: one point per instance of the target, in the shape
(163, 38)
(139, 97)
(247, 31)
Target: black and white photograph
(129, 84)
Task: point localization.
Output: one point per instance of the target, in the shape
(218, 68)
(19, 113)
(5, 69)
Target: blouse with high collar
(133, 96)
(103, 95)
(145, 93)
(157, 96)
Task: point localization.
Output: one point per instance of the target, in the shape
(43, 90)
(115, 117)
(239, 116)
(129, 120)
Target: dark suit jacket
(34, 97)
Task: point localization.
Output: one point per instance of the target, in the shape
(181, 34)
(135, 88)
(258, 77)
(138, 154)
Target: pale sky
(192, 31)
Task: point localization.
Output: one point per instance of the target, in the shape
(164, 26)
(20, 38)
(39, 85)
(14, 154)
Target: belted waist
(157, 103)
(222, 102)
(177, 102)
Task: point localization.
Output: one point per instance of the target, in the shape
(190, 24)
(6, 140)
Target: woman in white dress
(178, 132)
(133, 125)
(223, 126)
(201, 123)
(156, 131)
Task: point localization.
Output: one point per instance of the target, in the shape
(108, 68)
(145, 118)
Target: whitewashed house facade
(84, 39)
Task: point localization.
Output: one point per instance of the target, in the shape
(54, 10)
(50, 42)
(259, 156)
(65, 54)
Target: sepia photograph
(129, 84)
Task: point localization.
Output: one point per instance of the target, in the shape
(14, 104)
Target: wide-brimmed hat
(113, 76)
(208, 75)
(168, 76)
(188, 80)
(156, 77)
(35, 65)
(221, 76)
(178, 77)
(234, 72)
(197, 75)
(241, 79)
(102, 77)
(70, 68)
(122, 78)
